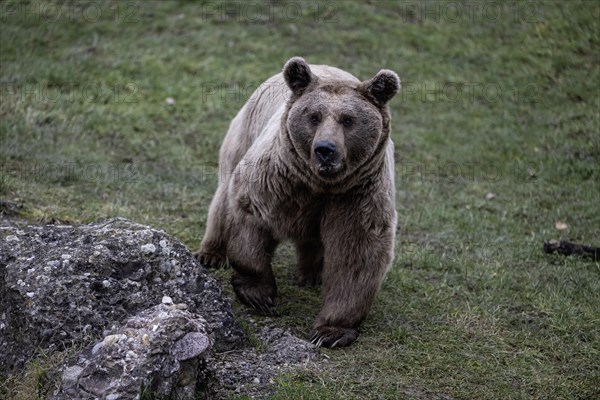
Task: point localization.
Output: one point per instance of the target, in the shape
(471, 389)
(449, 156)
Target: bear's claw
(208, 260)
(259, 297)
(265, 308)
(333, 336)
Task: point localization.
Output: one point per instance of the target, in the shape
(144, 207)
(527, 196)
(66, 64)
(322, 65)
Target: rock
(78, 281)
(156, 350)
(70, 376)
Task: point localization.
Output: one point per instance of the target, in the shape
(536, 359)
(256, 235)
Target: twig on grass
(567, 248)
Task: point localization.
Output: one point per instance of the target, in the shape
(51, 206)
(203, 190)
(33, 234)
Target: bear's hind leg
(309, 262)
(249, 253)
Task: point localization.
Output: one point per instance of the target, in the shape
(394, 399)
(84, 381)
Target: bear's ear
(382, 87)
(297, 75)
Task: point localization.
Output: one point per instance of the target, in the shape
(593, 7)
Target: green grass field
(497, 139)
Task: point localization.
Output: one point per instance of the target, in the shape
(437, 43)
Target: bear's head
(337, 124)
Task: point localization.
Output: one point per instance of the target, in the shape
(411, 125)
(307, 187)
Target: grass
(497, 136)
(39, 377)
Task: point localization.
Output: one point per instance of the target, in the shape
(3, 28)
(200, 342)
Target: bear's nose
(324, 150)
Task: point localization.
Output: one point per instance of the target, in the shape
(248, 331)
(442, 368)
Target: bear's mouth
(327, 170)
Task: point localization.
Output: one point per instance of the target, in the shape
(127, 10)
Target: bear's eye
(347, 121)
(315, 119)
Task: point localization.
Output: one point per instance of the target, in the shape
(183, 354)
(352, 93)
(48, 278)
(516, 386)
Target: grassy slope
(472, 307)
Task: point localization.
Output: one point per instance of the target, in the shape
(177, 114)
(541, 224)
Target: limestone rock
(60, 285)
(158, 350)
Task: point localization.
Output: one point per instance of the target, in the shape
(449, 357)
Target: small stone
(490, 196)
(66, 256)
(163, 243)
(167, 300)
(30, 294)
(256, 380)
(170, 101)
(110, 339)
(191, 345)
(12, 238)
(113, 396)
(106, 283)
(70, 376)
(148, 248)
(561, 226)
(97, 347)
(53, 264)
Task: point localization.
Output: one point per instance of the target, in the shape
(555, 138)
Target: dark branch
(568, 248)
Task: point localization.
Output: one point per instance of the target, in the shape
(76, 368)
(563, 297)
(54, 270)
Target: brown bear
(309, 159)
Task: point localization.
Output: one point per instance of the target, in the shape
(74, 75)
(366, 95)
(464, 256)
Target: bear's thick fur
(309, 158)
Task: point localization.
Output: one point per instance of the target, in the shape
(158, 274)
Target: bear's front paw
(253, 294)
(209, 260)
(333, 336)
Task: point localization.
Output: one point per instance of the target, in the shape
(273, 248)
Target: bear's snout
(325, 151)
